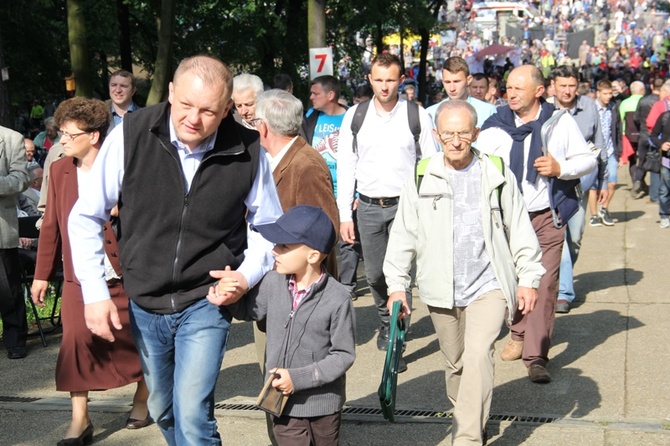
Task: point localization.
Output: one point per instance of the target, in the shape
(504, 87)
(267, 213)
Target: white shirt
(191, 159)
(275, 160)
(566, 145)
(102, 192)
(386, 154)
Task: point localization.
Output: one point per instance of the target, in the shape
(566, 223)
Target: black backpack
(412, 116)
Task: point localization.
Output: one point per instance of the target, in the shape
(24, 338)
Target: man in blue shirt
(321, 129)
(121, 91)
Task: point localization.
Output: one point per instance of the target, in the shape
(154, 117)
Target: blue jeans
(664, 193)
(374, 226)
(573, 242)
(654, 185)
(181, 356)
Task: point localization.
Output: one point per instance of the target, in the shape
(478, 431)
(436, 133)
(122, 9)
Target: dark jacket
(309, 125)
(641, 113)
(661, 132)
(617, 132)
(170, 238)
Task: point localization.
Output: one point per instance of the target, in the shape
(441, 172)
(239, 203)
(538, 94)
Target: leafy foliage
(261, 37)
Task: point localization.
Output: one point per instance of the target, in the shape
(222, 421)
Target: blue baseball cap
(306, 225)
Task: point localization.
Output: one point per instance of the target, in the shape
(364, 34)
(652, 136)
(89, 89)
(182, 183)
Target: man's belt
(534, 214)
(385, 202)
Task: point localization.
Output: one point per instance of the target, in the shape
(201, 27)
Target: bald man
(213, 181)
(514, 133)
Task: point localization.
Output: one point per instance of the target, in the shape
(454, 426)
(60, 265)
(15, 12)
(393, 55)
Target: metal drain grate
(223, 406)
(523, 418)
(18, 399)
(423, 415)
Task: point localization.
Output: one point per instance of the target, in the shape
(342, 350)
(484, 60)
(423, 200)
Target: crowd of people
(257, 200)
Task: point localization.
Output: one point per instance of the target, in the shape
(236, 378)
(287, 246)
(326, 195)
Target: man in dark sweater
(180, 226)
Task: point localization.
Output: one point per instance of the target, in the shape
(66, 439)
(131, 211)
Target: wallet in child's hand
(271, 399)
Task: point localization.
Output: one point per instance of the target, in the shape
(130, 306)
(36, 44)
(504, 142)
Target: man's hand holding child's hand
(231, 287)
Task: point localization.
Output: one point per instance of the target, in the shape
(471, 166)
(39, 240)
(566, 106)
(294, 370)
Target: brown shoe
(539, 374)
(512, 350)
(133, 423)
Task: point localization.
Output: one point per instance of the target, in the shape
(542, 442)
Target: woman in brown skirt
(85, 361)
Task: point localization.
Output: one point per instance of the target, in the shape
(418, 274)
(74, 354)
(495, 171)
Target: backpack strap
(414, 126)
(420, 171)
(357, 122)
(412, 117)
(498, 162)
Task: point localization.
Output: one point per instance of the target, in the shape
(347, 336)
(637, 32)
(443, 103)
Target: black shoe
(539, 374)
(18, 352)
(85, 438)
(402, 365)
(562, 306)
(383, 338)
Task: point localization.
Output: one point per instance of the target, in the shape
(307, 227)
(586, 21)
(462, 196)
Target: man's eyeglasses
(70, 136)
(446, 137)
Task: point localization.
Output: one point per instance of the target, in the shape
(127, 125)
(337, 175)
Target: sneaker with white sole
(665, 222)
(605, 217)
(596, 220)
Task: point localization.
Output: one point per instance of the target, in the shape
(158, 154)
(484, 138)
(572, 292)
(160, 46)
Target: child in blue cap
(310, 326)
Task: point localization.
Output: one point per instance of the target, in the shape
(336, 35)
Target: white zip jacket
(422, 230)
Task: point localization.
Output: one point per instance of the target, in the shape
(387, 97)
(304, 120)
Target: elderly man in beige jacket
(477, 258)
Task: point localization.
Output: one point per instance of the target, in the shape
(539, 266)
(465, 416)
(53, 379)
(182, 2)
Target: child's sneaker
(665, 222)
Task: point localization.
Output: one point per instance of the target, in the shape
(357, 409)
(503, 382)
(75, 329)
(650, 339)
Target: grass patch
(41, 311)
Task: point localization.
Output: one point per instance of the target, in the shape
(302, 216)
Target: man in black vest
(180, 228)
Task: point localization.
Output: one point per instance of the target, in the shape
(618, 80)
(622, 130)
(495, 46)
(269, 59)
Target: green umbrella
(387, 388)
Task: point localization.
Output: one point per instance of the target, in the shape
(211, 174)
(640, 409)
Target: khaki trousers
(466, 336)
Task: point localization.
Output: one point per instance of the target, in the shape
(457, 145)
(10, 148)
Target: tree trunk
(5, 107)
(379, 37)
(164, 55)
(123, 15)
(81, 65)
(316, 23)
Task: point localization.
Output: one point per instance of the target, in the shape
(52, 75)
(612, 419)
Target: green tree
(5, 109)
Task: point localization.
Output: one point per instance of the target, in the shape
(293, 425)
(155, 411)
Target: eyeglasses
(446, 137)
(255, 121)
(70, 136)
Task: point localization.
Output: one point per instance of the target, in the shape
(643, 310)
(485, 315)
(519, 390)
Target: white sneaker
(665, 222)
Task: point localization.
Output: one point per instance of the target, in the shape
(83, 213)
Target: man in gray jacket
(477, 256)
(13, 181)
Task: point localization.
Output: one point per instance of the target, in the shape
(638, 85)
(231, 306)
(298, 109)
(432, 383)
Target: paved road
(609, 363)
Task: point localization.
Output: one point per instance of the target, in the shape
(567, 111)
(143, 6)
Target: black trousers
(12, 303)
(314, 431)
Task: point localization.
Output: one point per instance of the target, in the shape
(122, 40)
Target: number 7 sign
(320, 62)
